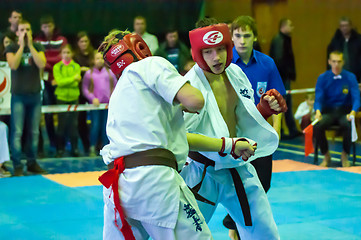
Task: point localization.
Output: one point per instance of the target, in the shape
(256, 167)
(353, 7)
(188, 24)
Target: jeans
(98, 125)
(25, 110)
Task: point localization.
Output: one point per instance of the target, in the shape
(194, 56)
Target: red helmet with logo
(209, 37)
(129, 49)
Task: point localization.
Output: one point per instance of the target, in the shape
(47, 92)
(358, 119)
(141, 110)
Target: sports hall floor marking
(291, 166)
(79, 179)
(82, 179)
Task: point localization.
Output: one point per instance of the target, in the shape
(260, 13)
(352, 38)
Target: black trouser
(330, 117)
(49, 99)
(67, 127)
(83, 126)
(289, 118)
(263, 166)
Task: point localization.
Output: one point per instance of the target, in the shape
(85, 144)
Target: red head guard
(208, 37)
(130, 48)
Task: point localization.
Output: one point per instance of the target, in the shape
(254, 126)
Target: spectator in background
(4, 150)
(305, 113)
(140, 27)
(84, 55)
(14, 19)
(263, 75)
(348, 41)
(5, 41)
(282, 53)
(26, 59)
(98, 84)
(67, 76)
(337, 99)
(84, 51)
(52, 41)
(174, 50)
(259, 68)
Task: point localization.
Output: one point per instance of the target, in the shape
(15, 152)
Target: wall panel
(315, 23)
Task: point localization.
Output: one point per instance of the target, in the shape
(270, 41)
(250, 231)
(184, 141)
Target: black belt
(238, 184)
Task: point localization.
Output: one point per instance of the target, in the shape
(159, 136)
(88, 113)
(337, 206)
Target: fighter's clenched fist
(238, 147)
(271, 103)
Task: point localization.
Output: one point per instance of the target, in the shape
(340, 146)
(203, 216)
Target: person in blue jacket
(337, 100)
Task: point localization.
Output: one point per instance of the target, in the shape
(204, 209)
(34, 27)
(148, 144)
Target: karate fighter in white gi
(229, 113)
(144, 195)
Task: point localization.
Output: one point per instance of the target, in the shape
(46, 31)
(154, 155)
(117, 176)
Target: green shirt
(65, 76)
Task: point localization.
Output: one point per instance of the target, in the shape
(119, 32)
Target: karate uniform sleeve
(192, 120)
(163, 78)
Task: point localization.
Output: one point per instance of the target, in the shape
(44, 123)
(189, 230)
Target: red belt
(157, 156)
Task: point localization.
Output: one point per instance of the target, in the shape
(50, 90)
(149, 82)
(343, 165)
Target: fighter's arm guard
(264, 107)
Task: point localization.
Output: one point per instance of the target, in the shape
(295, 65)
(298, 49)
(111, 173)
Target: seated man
(337, 99)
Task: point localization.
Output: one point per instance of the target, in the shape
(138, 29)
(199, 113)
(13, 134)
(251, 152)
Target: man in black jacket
(347, 41)
(282, 53)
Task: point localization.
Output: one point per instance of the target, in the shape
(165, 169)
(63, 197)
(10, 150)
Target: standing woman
(98, 84)
(84, 55)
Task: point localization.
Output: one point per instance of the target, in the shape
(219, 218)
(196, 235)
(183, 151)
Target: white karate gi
(218, 184)
(142, 116)
(4, 146)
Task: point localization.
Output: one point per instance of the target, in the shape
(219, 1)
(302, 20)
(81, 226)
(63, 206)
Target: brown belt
(155, 156)
(238, 184)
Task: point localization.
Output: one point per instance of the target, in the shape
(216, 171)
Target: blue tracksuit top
(262, 72)
(336, 91)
